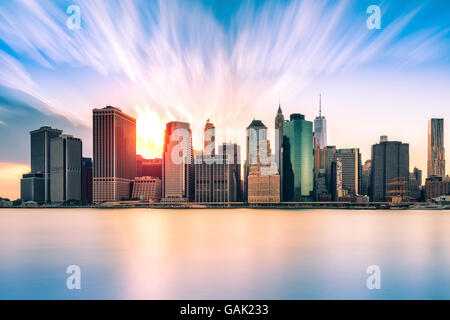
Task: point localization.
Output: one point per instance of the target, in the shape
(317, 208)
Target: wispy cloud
(177, 61)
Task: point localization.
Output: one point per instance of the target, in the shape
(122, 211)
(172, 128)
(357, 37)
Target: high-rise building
(264, 179)
(365, 177)
(177, 163)
(436, 151)
(40, 160)
(320, 128)
(298, 160)
(279, 120)
(114, 154)
(65, 168)
(209, 138)
(418, 175)
(415, 183)
(146, 189)
(351, 170)
(86, 180)
(256, 134)
(233, 153)
(215, 179)
(390, 170)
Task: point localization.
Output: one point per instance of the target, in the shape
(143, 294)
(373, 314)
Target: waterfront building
(365, 177)
(86, 180)
(390, 170)
(256, 134)
(177, 163)
(436, 186)
(32, 187)
(215, 179)
(114, 134)
(65, 168)
(233, 153)
(298, 179)
(146, 189)
(40, 155)
(436, 151)
(279, 120)
(351, 170)
(264, 179)
(415, 191)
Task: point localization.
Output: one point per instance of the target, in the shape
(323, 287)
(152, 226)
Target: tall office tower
(436, 151)
(209, 138)
(233, 153)
(264, 179)
(320, 128)
(414, 187)
(114, 154)
(298, 181)
(418, 175)
(256, 133)
(177, 163)
(390, 170)
(86, 180)
(337, 178)
(365, 177)
(40, 159)
(215, 179)
(351, 170)
(65, 168)
(279, 120)
(330, 157)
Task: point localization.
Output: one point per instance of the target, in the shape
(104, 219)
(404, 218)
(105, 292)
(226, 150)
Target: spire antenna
(320, 105)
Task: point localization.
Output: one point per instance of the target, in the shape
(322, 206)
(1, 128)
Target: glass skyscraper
(298, 181)
(436, 151)
(320, 128)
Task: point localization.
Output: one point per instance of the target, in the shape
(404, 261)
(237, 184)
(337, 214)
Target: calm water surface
(224, 254)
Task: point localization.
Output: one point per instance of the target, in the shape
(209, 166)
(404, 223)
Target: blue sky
(225, 60)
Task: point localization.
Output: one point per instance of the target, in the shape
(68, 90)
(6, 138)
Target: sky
(229, 61)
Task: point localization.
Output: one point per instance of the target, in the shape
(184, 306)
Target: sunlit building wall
(436, 151)
(114, 154)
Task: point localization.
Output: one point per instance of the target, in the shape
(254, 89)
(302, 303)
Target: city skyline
(373, 82)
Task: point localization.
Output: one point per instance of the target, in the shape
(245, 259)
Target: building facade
(114, 154)
(389, 170)
(32, 187)
(298, 180)
(65, 168)
(177, 163)
(209, 138)
(436, 151)
(320, 128)
(351, 170)
(40, 156)
(86, 180)
(146, 189)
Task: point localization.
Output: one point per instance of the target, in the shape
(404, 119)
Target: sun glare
(150, 133)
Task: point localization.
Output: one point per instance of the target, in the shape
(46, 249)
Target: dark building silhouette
(148, 167)
(65, 168)
(390, 170)
(86, 180)
(32, 187)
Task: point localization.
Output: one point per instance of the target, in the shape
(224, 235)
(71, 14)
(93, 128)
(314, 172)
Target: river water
(224, 253)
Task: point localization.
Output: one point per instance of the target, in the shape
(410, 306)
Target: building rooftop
(257, 124)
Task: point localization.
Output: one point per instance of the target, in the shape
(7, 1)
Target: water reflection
(224, 254)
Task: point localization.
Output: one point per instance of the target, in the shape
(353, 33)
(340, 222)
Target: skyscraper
(256, 133)
(298, 182)
(233, 153)
(351, 170)
(40, 159)
(279, 120)
(65, 168)
(177, 163)
(436, 151)
(389, 170)
(86, 180)
(209, 137)
(320, 128)
(114, 154)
